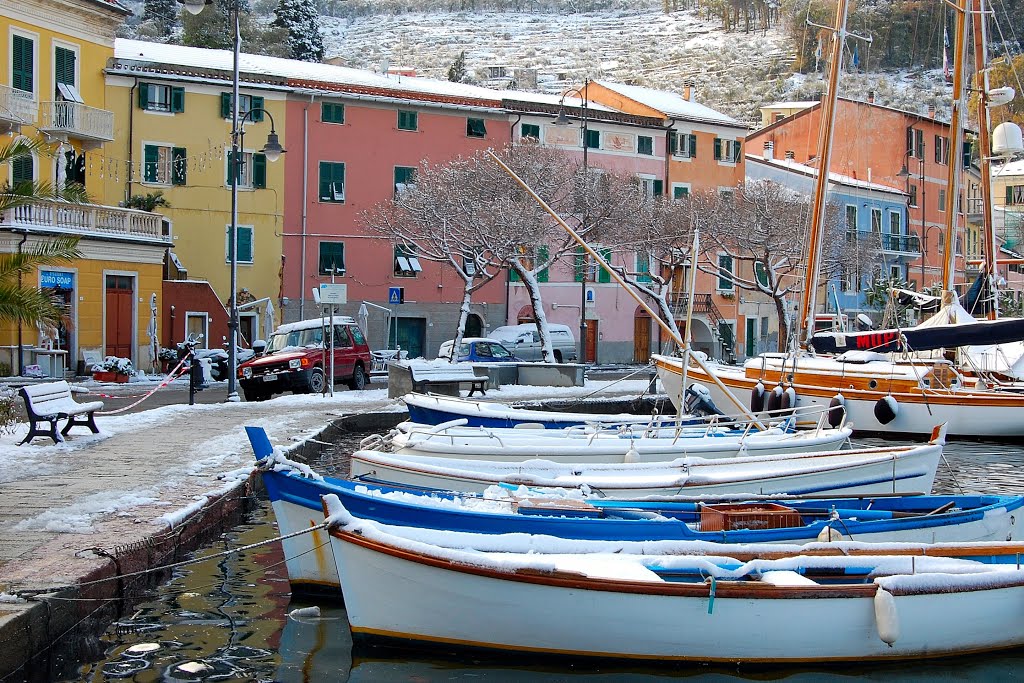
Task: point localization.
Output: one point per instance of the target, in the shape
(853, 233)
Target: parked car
(296, 359)
(524, 341)
(478, 350)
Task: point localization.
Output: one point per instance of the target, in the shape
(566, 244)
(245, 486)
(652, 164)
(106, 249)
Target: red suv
(297, 359)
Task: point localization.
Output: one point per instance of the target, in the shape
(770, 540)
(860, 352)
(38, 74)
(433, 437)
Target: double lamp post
(272, 150)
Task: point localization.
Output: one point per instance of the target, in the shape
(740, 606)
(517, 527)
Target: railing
(17, 105)
(702, 304)
(78, 120)
(85, 219)
(907, 244)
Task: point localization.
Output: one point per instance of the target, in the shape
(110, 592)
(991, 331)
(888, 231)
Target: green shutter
(143, 95)
(673, 142)
(603, 275)
(718, 149)
(22, 170)
(64, 65)
(177, 100)
(257, 109)
(22, 58)
(245, 245)
(225, 105)
(152, 159)
(659, 188)
(643, 266)
(259, 170)
(325, 182)
(693, 146)
(179, 166)
(1009, 195)
(542, 256)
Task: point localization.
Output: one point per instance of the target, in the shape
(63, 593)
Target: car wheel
(316, 380)
(558, 356)
(358, 381)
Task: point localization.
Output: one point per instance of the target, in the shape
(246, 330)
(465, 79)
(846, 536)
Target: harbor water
(228, 619)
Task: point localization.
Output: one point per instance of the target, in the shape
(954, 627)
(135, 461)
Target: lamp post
(563, 120)
(272, 150)
(905, 173)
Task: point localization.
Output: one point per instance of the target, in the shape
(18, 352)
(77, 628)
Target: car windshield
(295, 338)
(498, 351)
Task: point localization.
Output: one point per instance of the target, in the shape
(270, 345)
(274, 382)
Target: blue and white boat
(295, 493)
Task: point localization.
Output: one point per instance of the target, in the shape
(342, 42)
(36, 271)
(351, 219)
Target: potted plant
(168, 358)
(113, 369)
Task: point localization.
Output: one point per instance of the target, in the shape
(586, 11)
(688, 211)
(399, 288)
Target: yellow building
(173, 125)
(52, 88)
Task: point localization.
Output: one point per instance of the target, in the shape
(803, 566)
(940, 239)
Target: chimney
(931, 111)
(769, 149)
(790, 154)
(688, 86)
(871, 96)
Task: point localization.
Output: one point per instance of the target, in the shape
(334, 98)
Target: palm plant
(29, 304)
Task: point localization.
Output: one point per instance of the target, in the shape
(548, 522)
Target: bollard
(195, 378)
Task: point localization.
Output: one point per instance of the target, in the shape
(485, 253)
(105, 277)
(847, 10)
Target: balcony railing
(904, 244)
(702, 304)
(16, 106)
(77, 120)
(86, 219)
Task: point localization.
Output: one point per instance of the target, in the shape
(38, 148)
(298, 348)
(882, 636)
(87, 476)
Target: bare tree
(762, 227)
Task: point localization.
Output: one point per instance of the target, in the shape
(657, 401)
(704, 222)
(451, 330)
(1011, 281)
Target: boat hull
(436, 410)
(966, 413)
(394, 593)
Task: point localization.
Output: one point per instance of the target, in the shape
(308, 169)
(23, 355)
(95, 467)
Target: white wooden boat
(896, 469)
(523, 593)
(599, 445)
(876, 393)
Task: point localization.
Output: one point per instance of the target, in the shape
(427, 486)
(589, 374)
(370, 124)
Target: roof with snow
(791, 105)
(112, 5)
(671, 104)
(312, 75)
(812, 172)
(1012, 168)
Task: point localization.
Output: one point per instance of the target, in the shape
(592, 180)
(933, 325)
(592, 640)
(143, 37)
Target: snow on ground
(226, 455)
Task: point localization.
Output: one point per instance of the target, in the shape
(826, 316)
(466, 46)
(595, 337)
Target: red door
(591, 346)
(119, 324)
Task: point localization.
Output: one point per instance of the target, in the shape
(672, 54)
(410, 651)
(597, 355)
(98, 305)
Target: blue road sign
(394, 295)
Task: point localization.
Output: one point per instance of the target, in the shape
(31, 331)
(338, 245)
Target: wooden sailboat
(877, 392)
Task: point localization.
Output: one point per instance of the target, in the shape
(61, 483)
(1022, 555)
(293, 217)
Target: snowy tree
(457, 71)
(161, 16)
(301, 19)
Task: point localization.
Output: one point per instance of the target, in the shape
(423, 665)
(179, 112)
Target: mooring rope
(171, 376)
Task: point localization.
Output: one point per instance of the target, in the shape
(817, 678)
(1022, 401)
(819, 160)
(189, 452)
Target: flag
(856, 58)
(817, 54)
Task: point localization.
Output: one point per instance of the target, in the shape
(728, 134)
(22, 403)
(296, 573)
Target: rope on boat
(30, 593)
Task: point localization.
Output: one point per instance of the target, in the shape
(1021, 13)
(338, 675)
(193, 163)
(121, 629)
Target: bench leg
(475, 387)
(34, 431)
(88, 421)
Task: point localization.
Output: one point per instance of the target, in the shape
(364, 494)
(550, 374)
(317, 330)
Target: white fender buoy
(757, 398)
(774, 398)
(886, 409)
(887, 620)
(836, 410)
(828, 535)
(632, 455)
(305, 612)
(788, 400)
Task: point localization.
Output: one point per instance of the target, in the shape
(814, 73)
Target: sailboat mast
(956, 165)
(978, 19)
(828, 110)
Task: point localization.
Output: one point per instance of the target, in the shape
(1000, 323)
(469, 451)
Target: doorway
(120, 323)
(641, 337)
(474, 326)
(591, 345)
(409, 334)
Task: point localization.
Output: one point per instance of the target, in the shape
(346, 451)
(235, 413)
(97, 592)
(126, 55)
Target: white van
(524, 341)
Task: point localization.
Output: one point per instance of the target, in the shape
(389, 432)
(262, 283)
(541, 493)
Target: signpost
(395, 296)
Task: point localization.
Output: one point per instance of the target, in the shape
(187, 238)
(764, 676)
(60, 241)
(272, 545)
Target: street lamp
(563, 120)
(905, 173)
(272, 150)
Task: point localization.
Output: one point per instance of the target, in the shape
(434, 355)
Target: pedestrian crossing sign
(396, 295)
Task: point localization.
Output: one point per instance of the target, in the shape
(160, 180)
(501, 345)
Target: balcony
(87, 220)
(901, 244)
(74, 119)
(17, 108)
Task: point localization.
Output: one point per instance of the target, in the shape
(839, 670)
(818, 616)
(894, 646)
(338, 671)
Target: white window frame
(686, 186)
(856, 218)
(34, 37)
(252, 241)
(682, 135)
(898, 216)
(730, 159)
(245, 179)
(875, 211)
(647, 183)
(203, 343)
(151, 86)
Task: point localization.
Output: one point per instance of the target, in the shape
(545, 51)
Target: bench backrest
(455, 371)
(38, 394)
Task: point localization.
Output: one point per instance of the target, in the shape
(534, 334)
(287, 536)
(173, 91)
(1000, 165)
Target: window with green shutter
(405, 177)
(643, 266)
(332, 258)
(530, 132)
(658, 187)
(593, 139)
(177, 100)
(603, 275)
(718, 149)
(332, 112)
(542, 257)
(761, 273)
(158, 97)
(246, 103)
(680, 192)
(179, 166)
(645, 145)
(22, 170)
(64, 65)
(245, 246)
(724, 272)
(22, 63)
(259, 171)
(332, 181)
(408, 120)
(476, 128)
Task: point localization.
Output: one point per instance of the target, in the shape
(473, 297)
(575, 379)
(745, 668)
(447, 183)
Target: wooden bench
(447, 379)
(52, 402)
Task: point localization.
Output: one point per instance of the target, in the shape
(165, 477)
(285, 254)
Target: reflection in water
(228, 620)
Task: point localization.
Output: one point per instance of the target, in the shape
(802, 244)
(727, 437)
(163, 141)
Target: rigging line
(33, 592)
(1006, 50)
